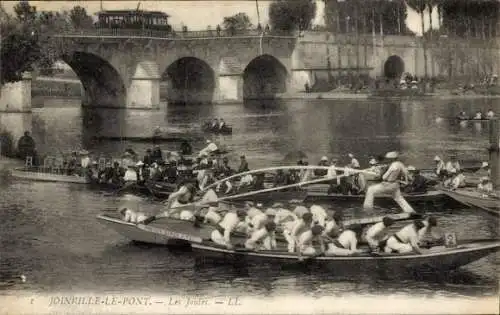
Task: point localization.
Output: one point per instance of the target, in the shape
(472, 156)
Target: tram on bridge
(134, 19)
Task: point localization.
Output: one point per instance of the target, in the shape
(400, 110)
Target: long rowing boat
(473, 198)
(167, 231)
(435, 258)
(48, 176)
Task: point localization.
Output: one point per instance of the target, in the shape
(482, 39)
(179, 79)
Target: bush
(7, 147)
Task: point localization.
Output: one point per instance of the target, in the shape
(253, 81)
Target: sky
(198, 15)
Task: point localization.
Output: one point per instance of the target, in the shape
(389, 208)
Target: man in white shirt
(375, 233)
(452, 165)
(210, 148)
(354, 162)
(231, 222)
(264, 238)
(256, 218)
(346, 244)
(458, 181)
(390, 184)
(440, 167)
(293, 229)
(405, 240)
(319, 215)
(305, 241)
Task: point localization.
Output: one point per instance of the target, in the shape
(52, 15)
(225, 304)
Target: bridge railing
(119, 32)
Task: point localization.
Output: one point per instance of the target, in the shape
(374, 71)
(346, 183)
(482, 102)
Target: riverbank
(9, 163)
(334, 95)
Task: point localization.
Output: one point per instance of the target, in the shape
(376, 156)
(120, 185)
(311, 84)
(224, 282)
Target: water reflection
(49, 231)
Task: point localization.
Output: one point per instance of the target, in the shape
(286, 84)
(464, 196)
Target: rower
(478, 115)
(222, 124)
(485, 170)
(243, 165)
(283, 215)
(490, 114)
(429, 223)
(440, 167)
(322, 172)
(347, 243)
(256, 218)
(458, 181)
(390, 184)
(354, 162)
(178, 200)
(264, 238)
(131, 216)
(334, 226)
(300, 227)
(485, 186)
(214, 213)
(215, 123)
(231, 222)
(452, 164)
(300, 210)
(319, 215)
(418, 183)
(405, 240)
(375, 233)
(306, 239)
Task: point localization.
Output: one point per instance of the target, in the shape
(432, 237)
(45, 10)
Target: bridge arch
(264, 77)
(103, 84)
(190, 80)
(394, 67)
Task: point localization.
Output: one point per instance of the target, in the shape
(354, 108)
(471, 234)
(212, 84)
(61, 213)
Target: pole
(494, 152)
(258, 14)
(101, 6)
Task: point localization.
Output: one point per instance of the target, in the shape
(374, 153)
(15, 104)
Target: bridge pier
(144, 89)
(229, 88)
(15, 107)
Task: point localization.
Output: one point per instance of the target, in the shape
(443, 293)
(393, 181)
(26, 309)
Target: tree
(237, 22)
(80, 18)
(419, 6)
(26, 41)
(289, 16)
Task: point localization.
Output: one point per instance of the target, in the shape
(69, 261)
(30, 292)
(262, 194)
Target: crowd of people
(490, 114)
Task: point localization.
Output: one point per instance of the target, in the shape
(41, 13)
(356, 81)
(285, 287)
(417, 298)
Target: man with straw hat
(390, 184)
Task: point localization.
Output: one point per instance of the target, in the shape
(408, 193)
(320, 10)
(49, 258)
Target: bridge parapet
(189, 35)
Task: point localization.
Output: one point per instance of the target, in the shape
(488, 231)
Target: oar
(315, 181)
(239, 175)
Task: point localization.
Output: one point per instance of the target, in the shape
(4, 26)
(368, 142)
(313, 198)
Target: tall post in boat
(494, 153)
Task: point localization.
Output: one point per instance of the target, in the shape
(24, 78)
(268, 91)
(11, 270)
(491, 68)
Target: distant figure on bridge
(218, 30)
(25, 146)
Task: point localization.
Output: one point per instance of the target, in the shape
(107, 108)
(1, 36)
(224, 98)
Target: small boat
(39, 174)
(473, 198)
(226, 130)
(438, 258)
(160, 189)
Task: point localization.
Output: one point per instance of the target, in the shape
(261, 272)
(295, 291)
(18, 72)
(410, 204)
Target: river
(49, 232)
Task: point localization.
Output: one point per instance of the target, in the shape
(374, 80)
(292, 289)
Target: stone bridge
(126, 71)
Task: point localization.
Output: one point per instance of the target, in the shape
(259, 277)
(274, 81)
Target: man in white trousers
(390, 184)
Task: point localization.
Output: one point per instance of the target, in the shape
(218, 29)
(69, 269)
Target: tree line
(25, 44)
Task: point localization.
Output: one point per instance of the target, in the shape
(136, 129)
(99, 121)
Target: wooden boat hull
(48, 177)
(475, 199)
(431, 197)
(435, 258)
(160, 232)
